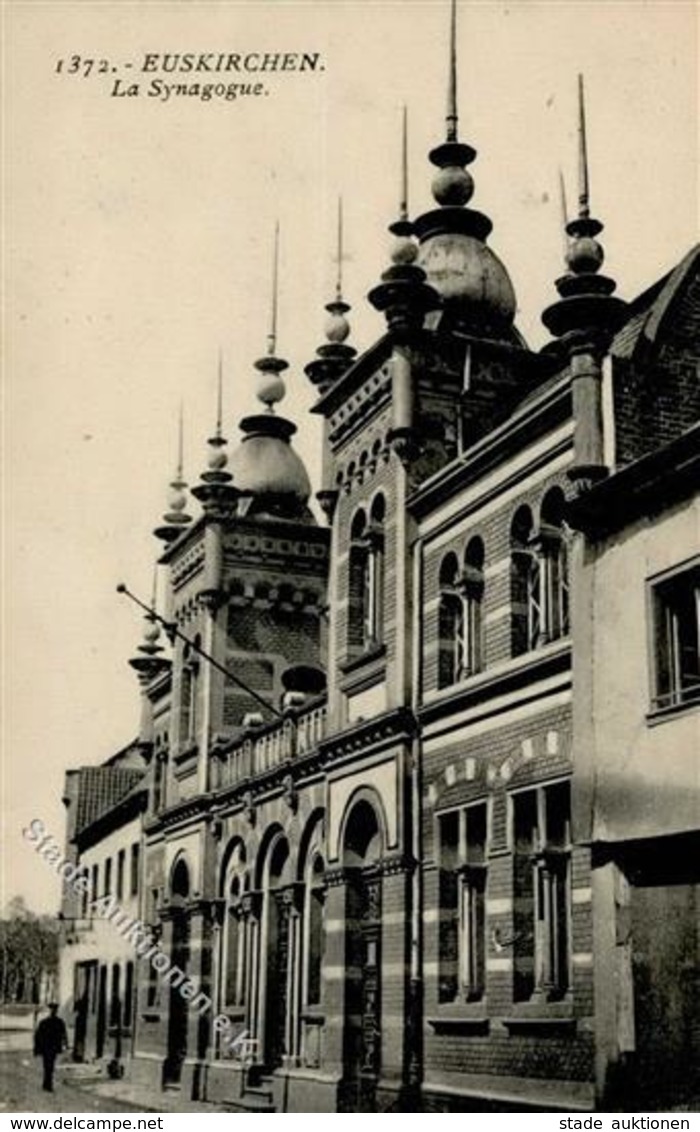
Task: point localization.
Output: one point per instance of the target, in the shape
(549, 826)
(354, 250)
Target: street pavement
(21, 1091)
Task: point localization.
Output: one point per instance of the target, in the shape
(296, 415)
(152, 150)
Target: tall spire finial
(403, 198)
(339, 277)
(583, 202)
(180, 441)
(272, 336)
(220, 395)
(176, 516)
(564, 211)
(451, 119)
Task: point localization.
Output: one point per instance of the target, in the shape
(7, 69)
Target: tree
(28, 952)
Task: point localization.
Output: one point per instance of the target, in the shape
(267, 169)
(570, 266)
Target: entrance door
(177, 1012)
(666, 974)
(277, 963)
(101, 1013)
(362, 1043)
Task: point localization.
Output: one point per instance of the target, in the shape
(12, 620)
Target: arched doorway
(362, 1038)
(276, 954)
(179, 957)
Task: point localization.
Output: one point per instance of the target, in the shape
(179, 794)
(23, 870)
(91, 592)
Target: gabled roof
(643, 331)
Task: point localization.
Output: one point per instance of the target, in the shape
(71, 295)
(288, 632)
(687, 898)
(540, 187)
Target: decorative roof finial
(586, 302)
(403, 295)
(334, 356)
(564, 212)
(272, 336)
(339, 278)
(271, 387)
(215, 491)
(583, 204)
(176, 517)
(452, 119)
(148, 664)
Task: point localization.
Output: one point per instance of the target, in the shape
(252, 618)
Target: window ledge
(469, 1017)
(189, 750)
(374, 652)
(537, 1014)
(658, 715)
(313, 1016)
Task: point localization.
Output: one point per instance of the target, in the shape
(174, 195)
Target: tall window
(188, 694)
(315, 936)
(234, 941)
(473, 589)
(366, 582)
(524, 585)
(462, 912)
(108, 876)
(94, 883)
(451, 624)
(121, 858)
(675, 610)
(460, 628)
(134, 870)
(541, 865)
(233, 982)
(552, 544)
(128, 995)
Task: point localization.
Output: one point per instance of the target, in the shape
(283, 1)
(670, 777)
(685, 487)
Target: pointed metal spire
(403, 196)
(339, 277)
(564, 212)
(176, 516)
(220, 396)
(451, 119)
(272, 336)
(180, 442)
(583, 199)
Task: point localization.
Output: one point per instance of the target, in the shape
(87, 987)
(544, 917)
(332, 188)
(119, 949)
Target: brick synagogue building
(400, 805)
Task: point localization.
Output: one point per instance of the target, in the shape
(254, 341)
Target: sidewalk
(144, 1098)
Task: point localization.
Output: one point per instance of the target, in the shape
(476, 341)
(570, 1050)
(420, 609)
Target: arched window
(460, 628)
(473, 589)
(315, 931)
(451, 624)
(553, 549)
(188, 694)
(374, 612)
(366, 588)
(234, 964)
(525, 595)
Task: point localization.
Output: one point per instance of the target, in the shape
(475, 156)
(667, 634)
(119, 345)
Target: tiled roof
(101, 787)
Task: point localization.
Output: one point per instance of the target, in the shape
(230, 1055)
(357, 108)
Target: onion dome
(215, 492)
(475, 287)
(586, 305)
(269, 476)
(176, 518)
(335, 355)
(403, 294)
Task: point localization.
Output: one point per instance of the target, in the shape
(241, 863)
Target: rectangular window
(134, 870)
(121, 858)
(462, 895)
(94, 883)
(675, 612)
(541, 868)
(108, 876)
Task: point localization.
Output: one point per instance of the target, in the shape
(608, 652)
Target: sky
(138, 235)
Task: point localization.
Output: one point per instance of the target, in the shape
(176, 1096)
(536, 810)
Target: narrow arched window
(188, 694)
(473, 590)
(374, 612)
(233, 972)
(451, 624)
(315, 902)
(526, 600)
(553, 548)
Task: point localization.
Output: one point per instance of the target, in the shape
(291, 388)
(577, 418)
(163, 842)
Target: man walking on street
(50, 1040)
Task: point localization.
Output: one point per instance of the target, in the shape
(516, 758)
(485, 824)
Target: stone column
(400, 1049)
(333, 972)
(293, 901)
